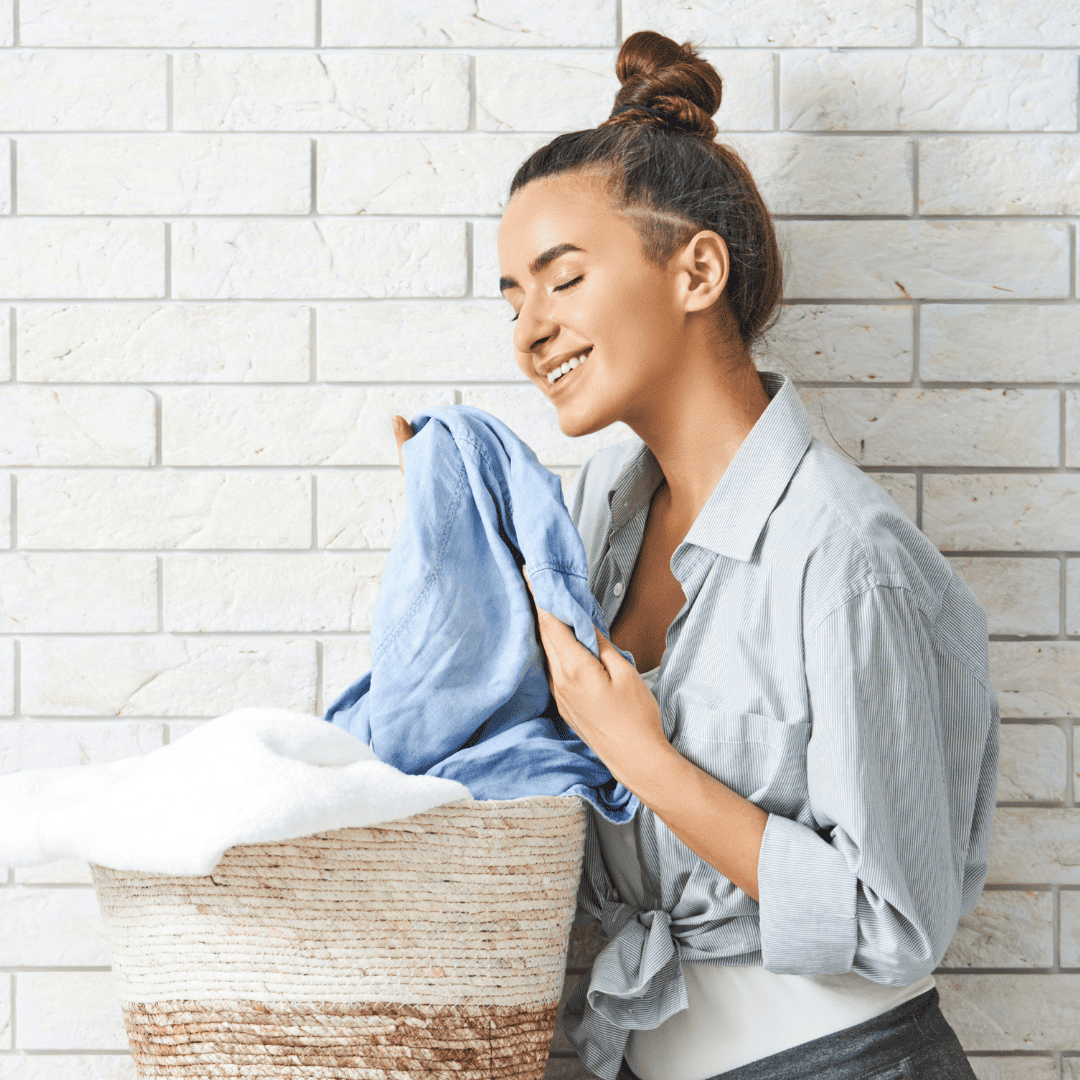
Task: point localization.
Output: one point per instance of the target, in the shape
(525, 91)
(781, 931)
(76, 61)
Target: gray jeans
(911, 1042)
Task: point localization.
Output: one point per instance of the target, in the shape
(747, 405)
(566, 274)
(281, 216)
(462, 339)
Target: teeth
(567, 365)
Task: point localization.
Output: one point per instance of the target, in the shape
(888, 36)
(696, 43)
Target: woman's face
(574, 272)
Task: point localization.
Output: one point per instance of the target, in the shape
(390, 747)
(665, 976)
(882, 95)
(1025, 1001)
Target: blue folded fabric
(457, 686)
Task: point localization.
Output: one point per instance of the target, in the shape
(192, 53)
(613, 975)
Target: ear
(702, 266)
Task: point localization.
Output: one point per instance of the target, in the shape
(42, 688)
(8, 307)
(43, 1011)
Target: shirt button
(617, 588)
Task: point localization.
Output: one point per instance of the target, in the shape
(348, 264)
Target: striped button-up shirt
(831, 667)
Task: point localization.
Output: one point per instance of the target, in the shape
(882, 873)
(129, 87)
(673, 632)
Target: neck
(698, 422)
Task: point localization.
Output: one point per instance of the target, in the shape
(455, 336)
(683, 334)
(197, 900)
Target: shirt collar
(737, 510)
(734, 517)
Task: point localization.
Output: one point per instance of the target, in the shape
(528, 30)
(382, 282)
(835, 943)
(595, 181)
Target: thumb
(610, 656)
(402, 433)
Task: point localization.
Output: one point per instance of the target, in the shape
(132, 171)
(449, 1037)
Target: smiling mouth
(568, 366)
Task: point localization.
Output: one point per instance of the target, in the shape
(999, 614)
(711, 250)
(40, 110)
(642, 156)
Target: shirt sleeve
(901, 770)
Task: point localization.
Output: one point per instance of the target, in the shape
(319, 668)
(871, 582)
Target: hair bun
(666, 84)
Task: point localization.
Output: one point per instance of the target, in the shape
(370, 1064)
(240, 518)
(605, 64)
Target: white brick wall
(235, 238)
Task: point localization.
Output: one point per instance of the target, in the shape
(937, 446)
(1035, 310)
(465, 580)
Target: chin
(576, 424)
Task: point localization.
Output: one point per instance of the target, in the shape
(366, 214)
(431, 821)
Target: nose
(535, 324)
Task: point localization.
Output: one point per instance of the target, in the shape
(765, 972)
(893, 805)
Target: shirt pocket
(761, 758)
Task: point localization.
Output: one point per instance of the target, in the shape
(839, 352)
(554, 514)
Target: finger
(610, 657)
(402, 433)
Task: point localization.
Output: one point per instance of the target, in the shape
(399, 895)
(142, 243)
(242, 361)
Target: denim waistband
(853, 1052)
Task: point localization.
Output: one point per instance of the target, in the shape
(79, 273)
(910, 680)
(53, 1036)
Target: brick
(42, 260)
(57, 872)
(1034, 845)
(1005, 174)
(164, 676)
(7, 23)
(1000, 512)
(818, 23)
(1070, 1068)
(318, 259)
(992, 343)
(1012, 23)
(295, 426)
(5, 176)
(1005, 929)
(51, 928)
(7, 677)
(78, 594)
(360, 510)
(174, 174)
(82, 91)
(458, 23)
(1021, 596)
(535, 421)
(1011, 1012)
(901, 489)
(928, 91)
(1033, 763)
(1014, 1068)
(271, 592)
(485, 260)
(344, 661)
(932, 260)
(749, 89)
(1070, 931)
(1072, 428)
(1072, 596)
(67, 1067)
(432, 174)
(69, 1010)
(938, 427)
(840, 343)
(153, 509)
(164, 343)
(321, 92)
(1036, 679)
(799, 174)
(76, 426)
(177, 23)
(417, 341)
(60, 743)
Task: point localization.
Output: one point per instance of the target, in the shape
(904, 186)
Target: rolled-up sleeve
(901, 765)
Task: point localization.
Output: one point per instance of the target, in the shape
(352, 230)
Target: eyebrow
(545, 258)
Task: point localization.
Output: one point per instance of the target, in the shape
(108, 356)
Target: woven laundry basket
(433, 946)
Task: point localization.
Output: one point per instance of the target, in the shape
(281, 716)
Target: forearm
(713, 821)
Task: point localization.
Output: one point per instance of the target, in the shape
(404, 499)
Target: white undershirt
(737, 1014)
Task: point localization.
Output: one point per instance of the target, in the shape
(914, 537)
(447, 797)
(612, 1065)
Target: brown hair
(664, 170)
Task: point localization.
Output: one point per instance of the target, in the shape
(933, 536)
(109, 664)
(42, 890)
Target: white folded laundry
(254, 775)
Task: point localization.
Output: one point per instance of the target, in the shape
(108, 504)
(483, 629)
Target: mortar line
(314, 200)
(168, 91)
(160, 595)
(318, 24)
(314, 546)
(618, 23)
(13, 365)
(1070, 772)
(1063, 595)
(918, 500)
(16, 28)
(918, 24)
(320, 702)
(471, 125)
(470, 240)
(13, 987)
(313, 344)
(16, 657)
(14, 178)
(168, 260)
(776, 91)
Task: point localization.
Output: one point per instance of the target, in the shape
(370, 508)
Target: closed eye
(559, 288)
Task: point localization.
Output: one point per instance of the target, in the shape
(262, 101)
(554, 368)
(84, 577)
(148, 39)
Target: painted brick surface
(219, 259)
(163, 343)
(234, 240)
(180, 23)
(321, 92)
(973, 342)
(42, 259)
(82, 91)
(190, 174)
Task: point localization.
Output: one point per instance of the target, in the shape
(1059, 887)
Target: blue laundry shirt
(457, 686)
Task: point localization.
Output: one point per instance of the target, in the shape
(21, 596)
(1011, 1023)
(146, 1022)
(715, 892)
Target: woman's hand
(605, 701)
(402, 432)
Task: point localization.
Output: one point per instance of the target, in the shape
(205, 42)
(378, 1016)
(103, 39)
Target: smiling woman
(808, 720)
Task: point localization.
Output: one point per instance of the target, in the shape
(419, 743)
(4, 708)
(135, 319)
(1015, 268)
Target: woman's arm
(609, 706)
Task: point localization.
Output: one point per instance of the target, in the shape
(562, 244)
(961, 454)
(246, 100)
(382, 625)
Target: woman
(809, 725)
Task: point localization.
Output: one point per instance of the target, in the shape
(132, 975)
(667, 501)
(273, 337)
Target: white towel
(254, 775)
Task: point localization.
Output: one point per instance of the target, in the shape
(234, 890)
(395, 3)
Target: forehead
(569, 208)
